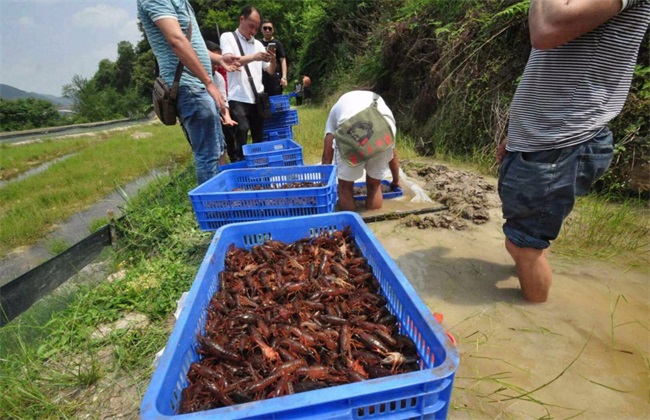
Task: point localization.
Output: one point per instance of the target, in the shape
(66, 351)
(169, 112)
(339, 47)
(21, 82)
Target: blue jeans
(538, 189)
(201, 124)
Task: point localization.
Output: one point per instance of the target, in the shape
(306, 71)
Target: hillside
(10, 92)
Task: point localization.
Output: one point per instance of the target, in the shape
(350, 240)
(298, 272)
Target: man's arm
(181, 46)
(393, 165)
(283, 82)
(328, 150)
(556, 22)
(229, 64)
(273, 63)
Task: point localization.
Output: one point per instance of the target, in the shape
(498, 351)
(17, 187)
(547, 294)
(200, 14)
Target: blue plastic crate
(216, 204)
(421, 394)
(279, 103)
(236, 165)
(397, 192)
(285, 133)
(273, 153)
(281, 120)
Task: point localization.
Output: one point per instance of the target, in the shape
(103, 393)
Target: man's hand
(229, 59)
(218, 97)
(395, 184)
(227, 121)
(501, 151)
(263, 56)
(283, 82)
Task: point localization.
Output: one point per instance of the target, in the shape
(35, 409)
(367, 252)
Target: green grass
(57, 245)
(607, 228)
(30, 207)
(52, 362)
(16, 159)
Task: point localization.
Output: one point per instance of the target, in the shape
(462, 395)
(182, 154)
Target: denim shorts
(201, 123)
(538, 189)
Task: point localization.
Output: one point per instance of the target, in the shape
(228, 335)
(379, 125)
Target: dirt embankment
(468, 196)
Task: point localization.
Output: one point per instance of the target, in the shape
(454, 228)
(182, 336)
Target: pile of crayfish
(294, 317)
(287, 186)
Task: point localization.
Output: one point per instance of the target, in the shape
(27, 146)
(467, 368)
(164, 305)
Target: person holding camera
(274, 83)
(241, 96)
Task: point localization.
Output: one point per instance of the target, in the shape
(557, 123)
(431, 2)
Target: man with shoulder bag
(185, 68)
(360, 135)
(249, 104)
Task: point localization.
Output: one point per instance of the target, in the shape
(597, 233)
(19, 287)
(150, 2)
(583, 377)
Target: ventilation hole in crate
(371, 410)
(402, 404)
(175, 399)
(382, 408)
(414, 402)
(361, 412)
(393, 405)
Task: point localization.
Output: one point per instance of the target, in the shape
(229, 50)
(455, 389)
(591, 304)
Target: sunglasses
(267, 28)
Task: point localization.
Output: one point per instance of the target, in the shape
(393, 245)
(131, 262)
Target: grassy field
(95, 166)
(55, 361)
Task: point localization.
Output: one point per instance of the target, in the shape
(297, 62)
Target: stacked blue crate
(278, 127)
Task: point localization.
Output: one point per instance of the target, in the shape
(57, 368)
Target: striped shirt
(149, 11)
(569, 93)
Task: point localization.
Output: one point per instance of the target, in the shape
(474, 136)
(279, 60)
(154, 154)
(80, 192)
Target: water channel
(71, 231)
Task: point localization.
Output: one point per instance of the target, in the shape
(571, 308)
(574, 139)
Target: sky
(44, 43)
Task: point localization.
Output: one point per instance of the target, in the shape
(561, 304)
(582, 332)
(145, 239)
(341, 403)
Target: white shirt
(220, 82)
(239, 88)
(350, 104)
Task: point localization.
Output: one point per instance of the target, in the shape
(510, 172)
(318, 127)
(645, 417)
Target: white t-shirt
(220, 82)
(239, 88)
(353, 102)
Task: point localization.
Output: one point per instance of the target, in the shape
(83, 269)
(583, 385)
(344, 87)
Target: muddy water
(562, 350)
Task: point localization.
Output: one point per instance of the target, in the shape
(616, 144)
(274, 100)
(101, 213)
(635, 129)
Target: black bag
(263, 104)
(164, 101)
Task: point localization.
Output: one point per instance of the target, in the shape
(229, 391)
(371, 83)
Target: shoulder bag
(262, 101)
(164, 97)
(363, 135)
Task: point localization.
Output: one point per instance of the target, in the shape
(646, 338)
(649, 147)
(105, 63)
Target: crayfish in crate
(294, 317)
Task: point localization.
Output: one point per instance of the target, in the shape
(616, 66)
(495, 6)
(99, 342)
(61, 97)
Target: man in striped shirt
(577, 79)
(199, 102)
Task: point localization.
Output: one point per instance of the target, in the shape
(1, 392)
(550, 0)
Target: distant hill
(10, 92)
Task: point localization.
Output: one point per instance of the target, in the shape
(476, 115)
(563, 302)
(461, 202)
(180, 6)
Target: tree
(126, 60)
(24, 114)
(106, 75)
(73, 91)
